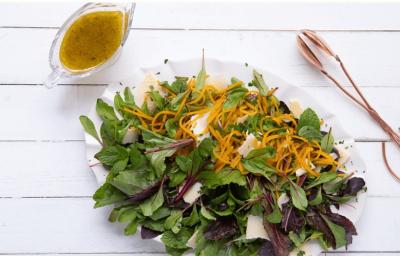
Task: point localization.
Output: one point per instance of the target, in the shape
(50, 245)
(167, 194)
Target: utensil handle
(52, 79)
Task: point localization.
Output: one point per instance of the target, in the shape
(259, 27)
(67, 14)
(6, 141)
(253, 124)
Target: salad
(222, 170)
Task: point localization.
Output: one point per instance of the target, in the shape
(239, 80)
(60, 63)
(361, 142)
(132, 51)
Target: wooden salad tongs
(311, 37)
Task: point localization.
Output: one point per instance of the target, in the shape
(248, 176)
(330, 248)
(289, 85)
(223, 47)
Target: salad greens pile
(253, 164)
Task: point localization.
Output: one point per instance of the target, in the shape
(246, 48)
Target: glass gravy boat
(59, 70)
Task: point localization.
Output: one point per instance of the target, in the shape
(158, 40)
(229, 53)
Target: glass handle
(52, 79)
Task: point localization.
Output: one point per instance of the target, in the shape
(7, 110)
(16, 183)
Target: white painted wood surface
(45, 183)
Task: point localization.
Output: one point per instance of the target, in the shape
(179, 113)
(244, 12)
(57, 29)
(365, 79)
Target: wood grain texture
(372, 58)
(45, 182)
(214, 15)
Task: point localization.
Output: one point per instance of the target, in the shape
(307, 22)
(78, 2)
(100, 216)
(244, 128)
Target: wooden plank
(72, 226)
(223, 15)
(35, 113)
(59, 169)
(271, 50)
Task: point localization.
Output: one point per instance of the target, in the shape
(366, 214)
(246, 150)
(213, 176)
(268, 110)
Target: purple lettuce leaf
(221, 228)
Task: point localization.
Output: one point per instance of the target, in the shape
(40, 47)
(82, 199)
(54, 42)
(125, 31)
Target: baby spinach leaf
(275, 216)
(318, 198)
(338, 233)
(105, 111)
(259, 166)
(298, 239)
(206, 214)
(89, 127)
(193, 219)
(131, 228)
(309, 118)
(323, 178)
(107, 194)
(127, 214)
(110, 155)
(259, 82)
(262, 153)
(151, 204)
(299, 198)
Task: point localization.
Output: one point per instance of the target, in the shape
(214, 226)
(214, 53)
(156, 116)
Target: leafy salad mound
(225, 171)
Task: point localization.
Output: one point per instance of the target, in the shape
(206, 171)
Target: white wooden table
(45, 182)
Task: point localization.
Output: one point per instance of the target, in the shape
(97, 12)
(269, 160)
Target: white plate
(222, 71)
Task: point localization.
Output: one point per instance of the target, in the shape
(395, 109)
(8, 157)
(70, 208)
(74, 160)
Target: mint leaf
(309, 118)
(298, 239)
(177, 241)
(110, 155)
(212, 179)
(259, 82)
(310, 133)
(105, 111)
(133, 182)
(153, 203)
(107, 194)
(174, 219)
(89, 127)
(299, 198)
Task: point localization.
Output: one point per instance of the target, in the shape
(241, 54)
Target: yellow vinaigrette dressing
(92, 39)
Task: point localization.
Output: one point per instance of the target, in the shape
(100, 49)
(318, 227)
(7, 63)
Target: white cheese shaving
(282, 199)
(296, 108)
(218, 82)
(149, 81)
(248, 145)
(200, 126)
(192, 240)
(242, 119)
(130, 136)
(192, 194)
(255, 228)
(344, 154)
(300, 172)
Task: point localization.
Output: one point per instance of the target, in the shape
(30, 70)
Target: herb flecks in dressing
(92, 39)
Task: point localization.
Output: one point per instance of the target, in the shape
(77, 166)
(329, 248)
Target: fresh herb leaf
(327, 142)
(337, 231)
(259, 82)
(105, 111)
(309, 118)
(151, 204)
(206, 214)
(131, 228)
(310, 133)
(212, 179)
(298, 195)
(89, 127)
(234, 98)
(323, 178)
(275, 216)
(177, 241)
(107, 194)
(110, 155)
(318, 198)
(201, 77)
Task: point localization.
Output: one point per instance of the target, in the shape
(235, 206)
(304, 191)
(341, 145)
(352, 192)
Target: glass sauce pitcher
(85, 43)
